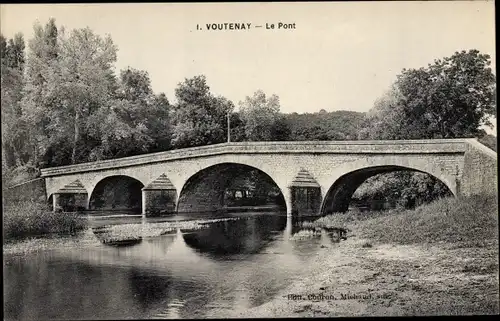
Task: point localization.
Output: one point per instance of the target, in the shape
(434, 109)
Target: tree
(13, 128)
(260, 114)
(85, 86)
(199, 118)
(386, 120)
(237, 128)
(451, 98)
(136, 121)
(158, 123)
(280, 130)
(37, 101)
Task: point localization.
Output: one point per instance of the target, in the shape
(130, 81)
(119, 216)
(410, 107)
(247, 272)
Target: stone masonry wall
(480, 171)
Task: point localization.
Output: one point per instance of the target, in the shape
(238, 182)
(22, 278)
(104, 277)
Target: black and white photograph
(249, 160)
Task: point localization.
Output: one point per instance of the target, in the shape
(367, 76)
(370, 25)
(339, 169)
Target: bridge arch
(116, 192)
(348, 177)
(207, 189)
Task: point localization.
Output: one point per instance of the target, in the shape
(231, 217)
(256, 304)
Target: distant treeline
(63, 103)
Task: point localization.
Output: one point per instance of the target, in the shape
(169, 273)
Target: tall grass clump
(29, 218)
(469, 219)
(348, 219)
(464, 219)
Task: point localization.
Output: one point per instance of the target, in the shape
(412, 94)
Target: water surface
(227, 266)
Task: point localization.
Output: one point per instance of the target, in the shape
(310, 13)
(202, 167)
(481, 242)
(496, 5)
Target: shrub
(30, 218)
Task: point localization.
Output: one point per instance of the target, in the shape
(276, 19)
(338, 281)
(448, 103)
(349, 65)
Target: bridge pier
(287, 194)
(55, 202)
(159, 197)
(144, 202)
(304, 194)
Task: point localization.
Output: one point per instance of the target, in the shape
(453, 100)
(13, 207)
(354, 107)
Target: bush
(30, 218)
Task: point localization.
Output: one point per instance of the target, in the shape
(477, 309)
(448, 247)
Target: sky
(338, 56)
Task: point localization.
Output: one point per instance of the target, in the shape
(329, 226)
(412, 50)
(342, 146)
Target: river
(223, 268)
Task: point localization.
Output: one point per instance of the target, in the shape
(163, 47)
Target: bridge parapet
(442, 146)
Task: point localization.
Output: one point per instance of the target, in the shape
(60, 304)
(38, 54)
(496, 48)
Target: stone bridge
(327, 171)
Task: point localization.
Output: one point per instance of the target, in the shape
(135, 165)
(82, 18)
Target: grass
(367, 245)
(472, 220)
(29, 218)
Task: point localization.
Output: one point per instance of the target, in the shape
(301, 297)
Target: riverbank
(96, 234)
(440, 259)
(22, 220)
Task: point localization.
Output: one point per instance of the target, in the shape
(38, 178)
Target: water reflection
(148, 288)
(227, 266)
(245, 236)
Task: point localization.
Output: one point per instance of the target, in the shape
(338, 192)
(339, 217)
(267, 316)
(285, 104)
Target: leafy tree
(13, 128)
(69, 78)
(159, 124)
(136, 121)
(401, 188)
(199, 118)
(86, 67)
(38, 92)
(280, 130)
(260, 113)
(451, 98)
(237, 128)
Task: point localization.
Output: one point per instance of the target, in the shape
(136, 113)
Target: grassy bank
(27, 219)
(470, 219)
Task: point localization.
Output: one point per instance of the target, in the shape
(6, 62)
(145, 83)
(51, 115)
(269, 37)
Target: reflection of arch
(340, 192)
(242, 236)
(118, 192)
(204, 190)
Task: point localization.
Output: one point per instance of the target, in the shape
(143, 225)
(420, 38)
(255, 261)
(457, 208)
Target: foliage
(37, 103)
(237, 128)
(135, 120)
(76, 108)
(32, 219)
(13, 128)
(84, 83)
(199, 117)
(337, 125)
(453, 97)
(403, 189)
(260, 115)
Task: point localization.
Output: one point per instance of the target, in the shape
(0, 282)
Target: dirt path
(392, 280)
